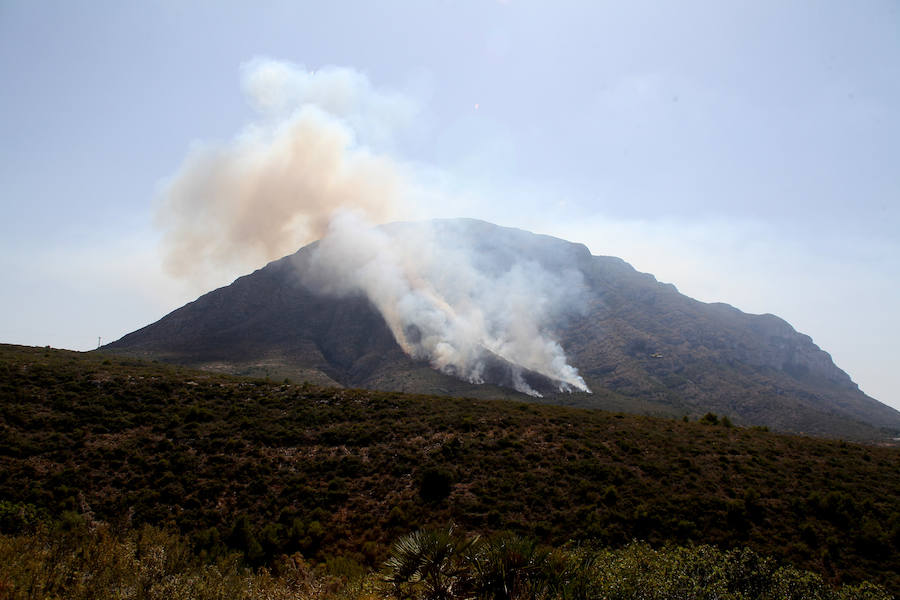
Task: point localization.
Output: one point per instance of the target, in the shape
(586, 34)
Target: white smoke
(448, 304)
(276, 89)
(308, 168)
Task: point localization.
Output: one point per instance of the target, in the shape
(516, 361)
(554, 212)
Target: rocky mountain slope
(639, 344)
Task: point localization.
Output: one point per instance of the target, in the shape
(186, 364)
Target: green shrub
(440, 565)
(435, 484)
(709, 419)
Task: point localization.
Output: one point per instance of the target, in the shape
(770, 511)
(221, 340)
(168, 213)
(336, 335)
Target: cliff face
(644, 339)
(639, 344)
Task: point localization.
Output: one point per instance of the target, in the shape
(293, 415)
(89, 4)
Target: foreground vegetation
(270, 469)
(150, 564)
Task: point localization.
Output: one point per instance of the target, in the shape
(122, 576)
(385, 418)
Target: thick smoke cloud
(449, 304)
(308, 168)
(277, 184)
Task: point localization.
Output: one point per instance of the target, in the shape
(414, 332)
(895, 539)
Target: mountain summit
(465, 307)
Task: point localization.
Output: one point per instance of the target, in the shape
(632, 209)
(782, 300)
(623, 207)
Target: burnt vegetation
(275, 469)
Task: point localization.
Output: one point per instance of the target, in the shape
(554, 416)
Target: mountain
(637, 344)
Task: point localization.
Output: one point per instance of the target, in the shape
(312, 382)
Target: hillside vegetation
(152, 564)
(270, 469)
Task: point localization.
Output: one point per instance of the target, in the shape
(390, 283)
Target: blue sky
(744, 151)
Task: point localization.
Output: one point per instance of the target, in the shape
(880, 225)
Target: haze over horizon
(744, 153)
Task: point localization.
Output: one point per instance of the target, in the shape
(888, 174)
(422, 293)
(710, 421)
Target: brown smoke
(276, 186)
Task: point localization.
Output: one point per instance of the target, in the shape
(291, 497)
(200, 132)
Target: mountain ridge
(639, 344)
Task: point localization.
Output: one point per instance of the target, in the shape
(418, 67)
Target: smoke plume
(314, 164)
(277, 184)
(449, 303)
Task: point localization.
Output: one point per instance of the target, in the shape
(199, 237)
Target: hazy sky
(747, 152)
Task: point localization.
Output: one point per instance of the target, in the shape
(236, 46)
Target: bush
(17, 517)
(439, 564)
(709, 419)
(435, 485)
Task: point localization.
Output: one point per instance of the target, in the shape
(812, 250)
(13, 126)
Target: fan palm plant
(509, 567)
(428, 564)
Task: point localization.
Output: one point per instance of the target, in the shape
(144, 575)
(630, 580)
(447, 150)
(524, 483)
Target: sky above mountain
(745, 152)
